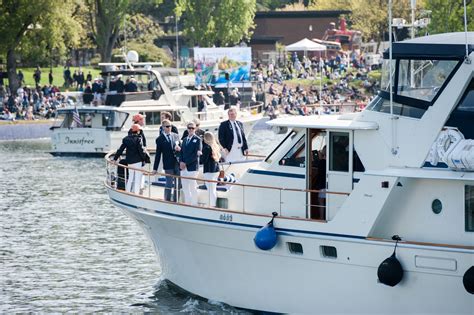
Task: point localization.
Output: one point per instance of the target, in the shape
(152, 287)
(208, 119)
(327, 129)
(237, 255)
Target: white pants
(189, 187)
(211, 187)
(235, 154)
(134, 181)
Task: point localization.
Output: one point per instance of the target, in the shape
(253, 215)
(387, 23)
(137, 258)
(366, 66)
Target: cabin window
(328, 251)
(339, 154)
(296, 156)
(290, 136)
(295, 248)
(469, 208)
(463, 115)
(152, 118)
(423, 79)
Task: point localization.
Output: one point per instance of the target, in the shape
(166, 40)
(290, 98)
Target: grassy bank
(58, 79)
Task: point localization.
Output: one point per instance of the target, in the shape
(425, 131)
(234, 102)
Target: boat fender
(390, 271)
(447, 140)
(266, 237)
(468, 280)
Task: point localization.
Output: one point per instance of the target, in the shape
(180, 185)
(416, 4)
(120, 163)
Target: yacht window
(463, 115)
(152, 118)
(290, 136)
(296, 156)
(382, 105)
(357, 163)
(176, 116)
(328, 251)
(339, 154)
(469, 208)
(422, 79)
(295, 248)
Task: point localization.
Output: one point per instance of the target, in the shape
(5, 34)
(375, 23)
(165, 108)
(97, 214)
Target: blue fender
(266, 238)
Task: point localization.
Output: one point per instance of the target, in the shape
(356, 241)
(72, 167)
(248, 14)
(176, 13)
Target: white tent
(305, 45)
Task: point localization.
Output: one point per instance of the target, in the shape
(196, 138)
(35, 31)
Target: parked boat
(385, 226)
(158, 90)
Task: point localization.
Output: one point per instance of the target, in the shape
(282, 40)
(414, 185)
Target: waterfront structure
(393, 232)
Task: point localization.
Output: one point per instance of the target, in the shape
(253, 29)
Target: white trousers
(211, 187)
(235, 154)
(134, 181)
(189, 187)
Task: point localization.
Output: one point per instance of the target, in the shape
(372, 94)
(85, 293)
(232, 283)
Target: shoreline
(25, 129)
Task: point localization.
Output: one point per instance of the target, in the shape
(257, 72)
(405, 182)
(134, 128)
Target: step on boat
(100, 128)
(386, 225)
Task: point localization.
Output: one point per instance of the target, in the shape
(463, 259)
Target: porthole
(436, 206)
(295, 248)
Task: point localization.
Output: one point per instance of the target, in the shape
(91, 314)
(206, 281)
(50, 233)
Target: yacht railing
(238, 197)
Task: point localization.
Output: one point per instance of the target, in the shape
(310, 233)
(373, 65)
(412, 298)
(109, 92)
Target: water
(65, 248)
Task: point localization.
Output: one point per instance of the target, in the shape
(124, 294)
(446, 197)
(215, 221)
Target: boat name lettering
(225, 217)
(81, 141)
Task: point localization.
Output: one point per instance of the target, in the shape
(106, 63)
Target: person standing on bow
(140, 120)
(191, 149)
(135, 158)
(232, 138)
(167, 144)
(211, 154)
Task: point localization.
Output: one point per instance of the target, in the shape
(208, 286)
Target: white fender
(447, 140)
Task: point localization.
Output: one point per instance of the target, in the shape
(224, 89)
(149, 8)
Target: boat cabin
(101, 117)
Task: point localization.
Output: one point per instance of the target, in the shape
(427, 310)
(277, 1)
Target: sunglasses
(191, 128)
(167, 126)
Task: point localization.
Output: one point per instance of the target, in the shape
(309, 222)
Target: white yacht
(395, 231)
(100, 128)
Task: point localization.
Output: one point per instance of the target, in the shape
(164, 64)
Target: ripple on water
(65, 248)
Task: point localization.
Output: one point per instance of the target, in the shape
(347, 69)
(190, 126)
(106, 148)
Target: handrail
(107, 157)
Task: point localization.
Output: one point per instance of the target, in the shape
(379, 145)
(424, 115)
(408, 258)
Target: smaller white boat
(99, 129)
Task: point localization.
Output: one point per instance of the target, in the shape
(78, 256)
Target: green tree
(217, 22)
(31, 25)
(448, 15)
(106, 17)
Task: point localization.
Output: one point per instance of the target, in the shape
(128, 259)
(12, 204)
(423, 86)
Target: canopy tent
(305, 45)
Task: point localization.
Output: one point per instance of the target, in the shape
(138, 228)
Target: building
(287, 27)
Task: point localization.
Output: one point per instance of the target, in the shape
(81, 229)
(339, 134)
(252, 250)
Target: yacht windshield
(172, 81)
(422, 79)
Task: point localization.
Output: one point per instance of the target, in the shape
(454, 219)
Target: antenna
(466, 59)
(392, 117)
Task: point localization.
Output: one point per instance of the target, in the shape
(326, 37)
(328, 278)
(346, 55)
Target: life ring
(446, 141)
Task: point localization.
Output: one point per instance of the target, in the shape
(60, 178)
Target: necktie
(187, 141)
(169, 140)
(237, 132)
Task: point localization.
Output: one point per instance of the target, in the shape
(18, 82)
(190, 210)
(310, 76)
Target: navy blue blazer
(209, 164)
(165, 148)
(134, 149)
(226, 135)
(189, 152)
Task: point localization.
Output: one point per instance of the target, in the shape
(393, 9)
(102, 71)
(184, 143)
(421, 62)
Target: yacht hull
(212, 254)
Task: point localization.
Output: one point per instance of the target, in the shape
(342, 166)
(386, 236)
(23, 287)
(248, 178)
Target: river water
(65, 248)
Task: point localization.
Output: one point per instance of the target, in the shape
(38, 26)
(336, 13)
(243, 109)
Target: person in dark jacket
(167, 115)
(211, 154)
(167, 144)
(191, 149)
(135, 158)
(232, 138)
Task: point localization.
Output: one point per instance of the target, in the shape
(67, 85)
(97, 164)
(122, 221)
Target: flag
(76, 118)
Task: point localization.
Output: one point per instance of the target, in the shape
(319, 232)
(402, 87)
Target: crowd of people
(182, 155)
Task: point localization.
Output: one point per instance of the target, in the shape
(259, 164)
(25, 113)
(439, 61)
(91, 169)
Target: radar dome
(132, 56)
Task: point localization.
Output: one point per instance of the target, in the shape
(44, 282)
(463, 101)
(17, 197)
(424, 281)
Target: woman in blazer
(210, 160)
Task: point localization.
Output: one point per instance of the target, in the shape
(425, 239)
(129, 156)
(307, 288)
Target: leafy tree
(41, 25)
(448, 15)
(106, 18)
(217, 22)
(270, 5)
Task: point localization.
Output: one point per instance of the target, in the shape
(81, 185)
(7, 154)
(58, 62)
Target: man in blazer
(167, 144)
(189, 163)
(232, 138)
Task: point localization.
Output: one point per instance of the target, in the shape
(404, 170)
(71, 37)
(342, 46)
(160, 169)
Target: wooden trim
(421, 243)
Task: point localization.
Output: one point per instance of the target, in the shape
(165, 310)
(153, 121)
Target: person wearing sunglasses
(191, 149)
(168, 146)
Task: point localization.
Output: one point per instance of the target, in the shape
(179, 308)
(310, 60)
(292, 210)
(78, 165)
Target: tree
(106, 18)
(41, 24)
(217, 22)
(448, 15)
(369, 16)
